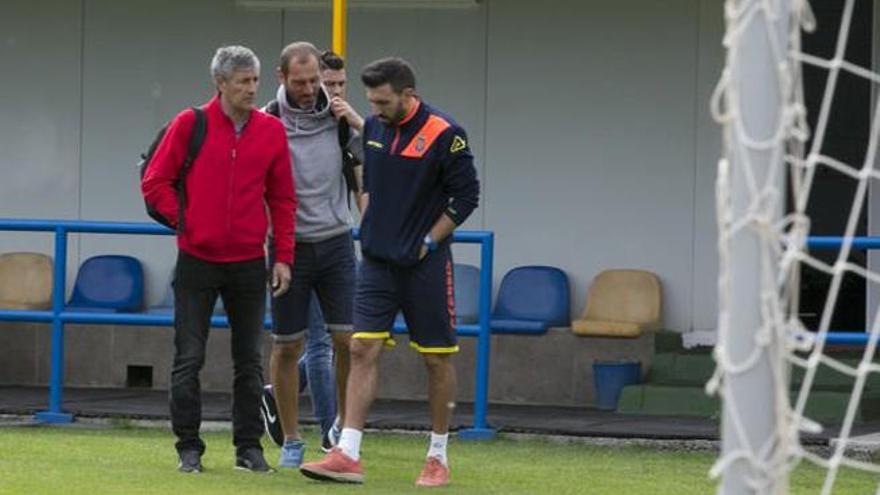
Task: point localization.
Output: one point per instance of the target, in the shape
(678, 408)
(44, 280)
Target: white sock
(350, 442)
(437, 447)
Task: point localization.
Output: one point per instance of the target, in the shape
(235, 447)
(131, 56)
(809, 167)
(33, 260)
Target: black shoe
(326, 444)
(271, 422)
(251, 459)
(190, 461)
(330, 438)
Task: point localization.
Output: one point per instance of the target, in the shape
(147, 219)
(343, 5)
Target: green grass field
(76, 460)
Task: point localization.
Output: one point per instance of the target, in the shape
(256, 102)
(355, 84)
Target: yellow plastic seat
(25, 281)
(621, 303)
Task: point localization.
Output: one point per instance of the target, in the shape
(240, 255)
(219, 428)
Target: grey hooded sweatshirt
(313, 139)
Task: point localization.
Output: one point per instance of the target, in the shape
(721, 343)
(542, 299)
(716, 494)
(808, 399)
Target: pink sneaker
(433, 474)
(336, 466)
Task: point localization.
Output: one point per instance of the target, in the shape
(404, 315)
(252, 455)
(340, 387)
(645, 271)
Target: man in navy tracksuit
(420, 184)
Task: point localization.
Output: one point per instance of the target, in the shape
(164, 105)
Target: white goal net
(771, 370)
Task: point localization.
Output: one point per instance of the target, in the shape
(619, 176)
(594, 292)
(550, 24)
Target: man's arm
(363, 203)
(281, 201)
(459, 179)
(164, 168)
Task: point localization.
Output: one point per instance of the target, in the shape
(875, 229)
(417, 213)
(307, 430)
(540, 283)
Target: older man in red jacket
(242, 170)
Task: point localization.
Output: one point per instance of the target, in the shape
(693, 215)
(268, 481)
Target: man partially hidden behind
(242, 171)
(420, 184)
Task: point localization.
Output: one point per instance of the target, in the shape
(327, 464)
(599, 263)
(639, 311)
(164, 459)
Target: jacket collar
(410, 117)
(215, 107)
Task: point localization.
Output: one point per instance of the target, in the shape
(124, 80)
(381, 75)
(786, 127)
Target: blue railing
(827, 242)
(58, 316)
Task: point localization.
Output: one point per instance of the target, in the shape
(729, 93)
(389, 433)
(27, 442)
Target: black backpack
(195, 144)
(349, 162)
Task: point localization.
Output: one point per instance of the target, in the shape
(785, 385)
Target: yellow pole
(340, 26)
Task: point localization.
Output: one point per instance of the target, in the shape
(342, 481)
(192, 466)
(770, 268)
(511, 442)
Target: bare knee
(437, 362)
(364, 351)
(287, 351)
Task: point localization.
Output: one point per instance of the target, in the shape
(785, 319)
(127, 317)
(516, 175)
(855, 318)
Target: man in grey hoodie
(324, 260)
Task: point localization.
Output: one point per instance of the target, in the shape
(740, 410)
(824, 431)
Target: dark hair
(330, 60)
(298, 50)
(392, 70)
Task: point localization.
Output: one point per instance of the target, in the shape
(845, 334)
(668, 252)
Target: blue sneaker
(292, 454)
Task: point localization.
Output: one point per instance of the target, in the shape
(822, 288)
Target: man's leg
(335, 287)
(244, 296)
(428, 300)
(441, 397)
(363, 381)
(195, 291)
(342, 360)
(290, 320)
(319, 356)
(375, 307)
(284, 373)
(343, 464)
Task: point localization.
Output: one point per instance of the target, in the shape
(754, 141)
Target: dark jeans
(242, 286)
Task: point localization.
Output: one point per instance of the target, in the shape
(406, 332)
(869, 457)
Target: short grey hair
(229, 59)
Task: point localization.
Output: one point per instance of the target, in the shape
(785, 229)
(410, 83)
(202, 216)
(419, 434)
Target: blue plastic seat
(467, 294)
(108, 284)
(531, 300)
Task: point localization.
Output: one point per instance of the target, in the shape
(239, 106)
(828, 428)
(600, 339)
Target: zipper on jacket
(396, 139)
(230, 194)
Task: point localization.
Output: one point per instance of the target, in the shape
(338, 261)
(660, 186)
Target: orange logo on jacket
(426, 136)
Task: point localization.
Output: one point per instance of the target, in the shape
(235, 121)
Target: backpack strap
(272, 108)
(344, 133)
(197, 138)
(349, 162)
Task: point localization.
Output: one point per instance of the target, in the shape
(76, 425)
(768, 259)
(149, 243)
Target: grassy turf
(73, 460)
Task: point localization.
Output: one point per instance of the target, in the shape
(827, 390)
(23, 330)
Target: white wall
(40, 125)
(592, 138)
(710, 60)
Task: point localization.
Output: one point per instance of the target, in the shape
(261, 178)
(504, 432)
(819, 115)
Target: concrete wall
(101, 357)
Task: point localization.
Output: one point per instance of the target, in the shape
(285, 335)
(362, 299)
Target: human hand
(280, 278)
(342, 110)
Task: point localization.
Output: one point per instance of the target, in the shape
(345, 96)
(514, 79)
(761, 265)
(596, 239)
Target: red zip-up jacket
(229, 187)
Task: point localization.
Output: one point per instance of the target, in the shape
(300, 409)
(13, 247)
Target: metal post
(56, 382)
(340, 26)
(752, 395)
(480, 429)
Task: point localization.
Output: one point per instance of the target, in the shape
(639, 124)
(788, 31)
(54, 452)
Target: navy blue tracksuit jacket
(414, 172)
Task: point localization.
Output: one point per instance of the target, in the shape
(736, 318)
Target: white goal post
(770, 154)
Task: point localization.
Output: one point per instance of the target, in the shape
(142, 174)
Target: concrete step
(826, 407)
(694, 370)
